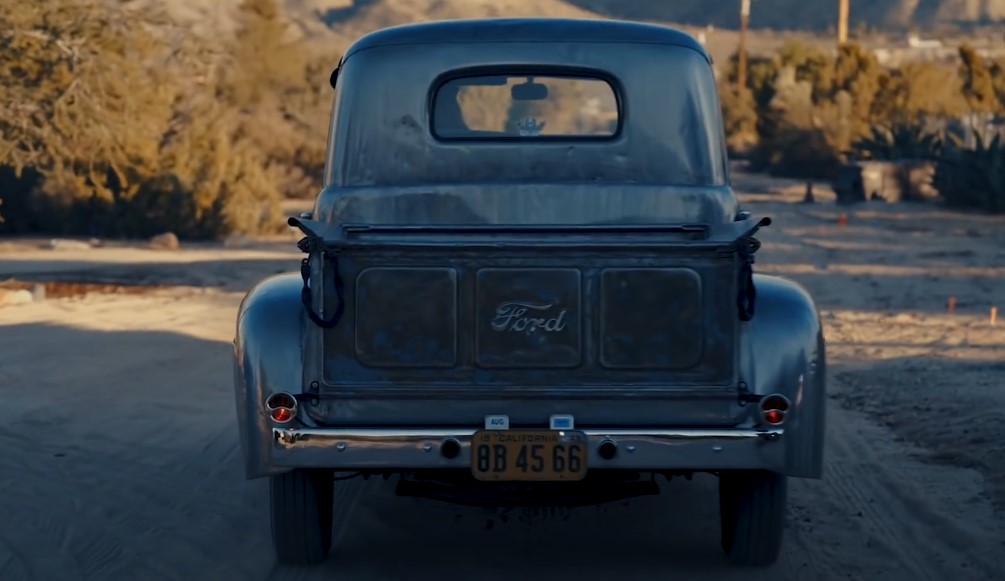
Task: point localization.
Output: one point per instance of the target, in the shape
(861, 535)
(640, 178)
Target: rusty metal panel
(565, 348)
(652, 318)
(406, 317)
(529, 317)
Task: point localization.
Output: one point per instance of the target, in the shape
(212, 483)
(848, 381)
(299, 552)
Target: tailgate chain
(313, 244)
(746, 247)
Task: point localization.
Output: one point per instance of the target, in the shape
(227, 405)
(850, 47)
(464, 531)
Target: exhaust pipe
(607, 449)
(450, 448)
(773, 409)
(282, 407)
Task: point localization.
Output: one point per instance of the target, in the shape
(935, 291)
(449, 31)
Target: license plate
(529, 455)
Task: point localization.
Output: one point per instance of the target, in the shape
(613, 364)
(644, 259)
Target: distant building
(915, 41)
(933, 50)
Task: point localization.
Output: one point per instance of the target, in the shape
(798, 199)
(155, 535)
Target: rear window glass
(522, 106)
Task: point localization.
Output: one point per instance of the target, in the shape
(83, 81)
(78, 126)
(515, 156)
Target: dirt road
(120, 457)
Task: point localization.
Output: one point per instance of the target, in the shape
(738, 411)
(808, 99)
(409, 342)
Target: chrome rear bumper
(405, 449)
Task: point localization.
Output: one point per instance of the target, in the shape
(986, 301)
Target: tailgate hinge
(745, 396)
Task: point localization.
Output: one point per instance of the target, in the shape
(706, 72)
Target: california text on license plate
(498, 455)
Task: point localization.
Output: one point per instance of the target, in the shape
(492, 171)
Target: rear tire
(301, 515)
(752, 512)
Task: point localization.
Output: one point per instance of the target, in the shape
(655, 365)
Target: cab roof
(546, 30)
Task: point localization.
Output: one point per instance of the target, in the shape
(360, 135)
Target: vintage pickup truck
(528, 280)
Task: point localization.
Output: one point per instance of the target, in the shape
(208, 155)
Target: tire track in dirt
(16, 566)
(84, 546)
(97, 527)
(875, 521)
(914, 530)
(108, 492)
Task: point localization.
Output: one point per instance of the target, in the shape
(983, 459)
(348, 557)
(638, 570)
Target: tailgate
(476, 312)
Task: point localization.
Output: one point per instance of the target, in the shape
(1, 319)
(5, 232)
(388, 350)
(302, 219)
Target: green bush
(814, 111)
(798, 152)
(113, 129)
(739, 111)
(972, 177)
(900, 141)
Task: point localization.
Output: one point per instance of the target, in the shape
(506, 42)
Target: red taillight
(282, 415)
(282, 407)
(774, 409)
(775, 402)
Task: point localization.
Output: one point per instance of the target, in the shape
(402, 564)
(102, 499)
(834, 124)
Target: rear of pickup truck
(488, 364)
(627, 337)
(531, 308)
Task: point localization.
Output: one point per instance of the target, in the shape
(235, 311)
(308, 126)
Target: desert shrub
(798, 152)
(212, 183)
(978, 82)
(279, 90)
(113, 128)
(789, 97)
(80, 108)
(899, 141)
(972, 177)
(814, 109)
(916, 91)
(858, 74)
(798, 136)
(744, 107)
(207, 186)
(811, 65)
(739, 113)
(997, 69)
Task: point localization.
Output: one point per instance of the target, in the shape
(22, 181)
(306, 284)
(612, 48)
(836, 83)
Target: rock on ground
(165, 241)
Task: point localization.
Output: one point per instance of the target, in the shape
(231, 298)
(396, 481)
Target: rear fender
(786, 354)
(268, 358)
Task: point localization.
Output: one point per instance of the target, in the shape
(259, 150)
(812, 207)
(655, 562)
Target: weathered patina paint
(598, 278)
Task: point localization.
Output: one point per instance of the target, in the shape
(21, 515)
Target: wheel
(752, 513)
(301, 511)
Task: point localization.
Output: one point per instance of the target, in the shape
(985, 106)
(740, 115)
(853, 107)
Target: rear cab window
(525, 106)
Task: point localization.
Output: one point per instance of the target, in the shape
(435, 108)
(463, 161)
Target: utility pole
(843, 9)
(741, 74)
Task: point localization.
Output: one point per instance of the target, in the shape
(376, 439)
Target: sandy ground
(120, 456)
